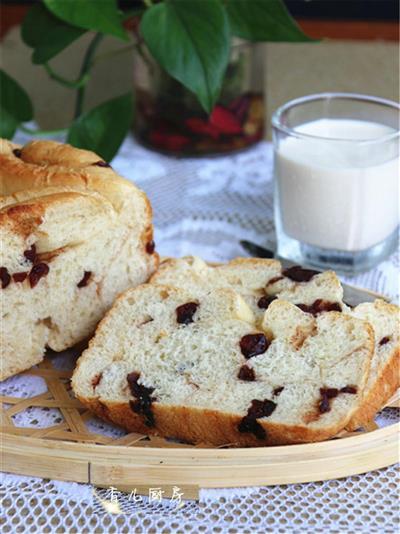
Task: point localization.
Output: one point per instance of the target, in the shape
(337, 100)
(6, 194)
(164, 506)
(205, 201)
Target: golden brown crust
(385, 386)
(42, 164)
(195, 425)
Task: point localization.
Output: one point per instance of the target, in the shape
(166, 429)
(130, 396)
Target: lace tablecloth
(204, 207)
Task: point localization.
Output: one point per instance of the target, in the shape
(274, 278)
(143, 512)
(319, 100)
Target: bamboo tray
(69, 451)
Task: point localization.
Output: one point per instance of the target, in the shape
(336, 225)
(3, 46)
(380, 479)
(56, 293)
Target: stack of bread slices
(242, 354)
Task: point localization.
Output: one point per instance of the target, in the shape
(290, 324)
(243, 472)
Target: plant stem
(63, 81)
(85, 68)
(49, 133)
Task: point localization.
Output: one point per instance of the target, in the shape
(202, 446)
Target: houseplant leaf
(190, 40)
(15, 105)
(263, 20)
(47, 34)
(8, 124)
(103, 128)
(97, 15)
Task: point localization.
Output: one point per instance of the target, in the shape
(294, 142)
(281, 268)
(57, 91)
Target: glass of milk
(336, 161)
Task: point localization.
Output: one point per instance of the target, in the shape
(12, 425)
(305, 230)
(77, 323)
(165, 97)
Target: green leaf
(15, 105)
(47, 34)
(103, 128)
(8, 124)
(190, 39)
(97, 15)
(263, 20)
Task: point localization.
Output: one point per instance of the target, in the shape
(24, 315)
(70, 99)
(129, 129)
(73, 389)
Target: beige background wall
(291, 70)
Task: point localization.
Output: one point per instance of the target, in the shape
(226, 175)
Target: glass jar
(336, 165)
(170, 119)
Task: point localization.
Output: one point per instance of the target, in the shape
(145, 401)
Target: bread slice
(168, 362)
(259, 280)
(384, 376)
(74, 235)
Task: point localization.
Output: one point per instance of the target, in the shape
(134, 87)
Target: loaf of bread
(261, 281)
(74, 235)
(200, 368)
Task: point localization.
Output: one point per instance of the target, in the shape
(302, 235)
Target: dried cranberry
(37, 272)
(326, 394)
(319, 306)
(4, 277)
(274, 280)
(185, 312)
(96, 379)
(384, 340)
(265, 301)
(324, 405)
(150, 247)
(31, 254)
(246, 373)
(260, 408)
(299, 274)
(19, 277)
(17, 152)
(85, 279)
(142, 404)
(349, 389)
(250, 425)
(101, 164)
(331, 393)
(257, 410)
(253, 344)
(278, 391)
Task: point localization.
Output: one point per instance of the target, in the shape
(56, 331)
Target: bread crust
(384, 388)
(198, 425)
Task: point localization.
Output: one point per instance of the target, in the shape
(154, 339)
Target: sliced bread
(258, 281)
(74, 235)
(198, 368)
(384, 376)
(261, 281)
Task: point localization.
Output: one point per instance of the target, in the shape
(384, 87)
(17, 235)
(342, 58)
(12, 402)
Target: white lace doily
(204, 207)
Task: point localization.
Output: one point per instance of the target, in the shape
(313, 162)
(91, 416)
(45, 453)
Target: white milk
(336, 194)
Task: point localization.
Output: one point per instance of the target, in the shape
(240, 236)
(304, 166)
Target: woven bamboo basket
(69, 451)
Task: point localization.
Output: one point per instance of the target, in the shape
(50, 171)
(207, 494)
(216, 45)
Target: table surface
(204, 207)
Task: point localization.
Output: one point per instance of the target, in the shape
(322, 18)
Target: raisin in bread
(74, 235)
(262, 281)
(167, 362)
(258, 281)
